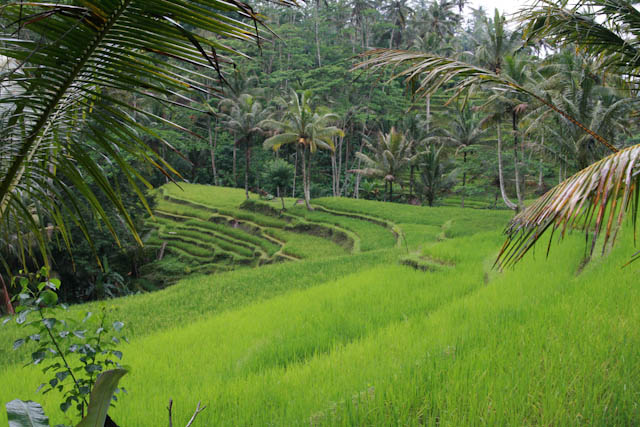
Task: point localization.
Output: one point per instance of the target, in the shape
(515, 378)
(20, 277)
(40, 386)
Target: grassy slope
(305, 343)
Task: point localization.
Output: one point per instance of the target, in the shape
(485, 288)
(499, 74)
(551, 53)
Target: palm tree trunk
(464, 177)
(540, 175)
(316, 30)
(515, 160)
(234, 169)
(507, 202)
(281, 195)
(390, 191)
(334, 177)
(247, 162)
(305, 180)
(295, 173)
(212, 149)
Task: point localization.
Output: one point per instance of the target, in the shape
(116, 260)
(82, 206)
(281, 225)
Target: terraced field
(398, 320)
(204, 229)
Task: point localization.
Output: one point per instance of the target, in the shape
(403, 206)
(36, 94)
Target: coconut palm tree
(67, 115)
(398, 12)
(245, 116)
(432, 170)
(307, 128)
(512, 106)
(494, 46)
(464, 133)
(388, 158)
(607, 29)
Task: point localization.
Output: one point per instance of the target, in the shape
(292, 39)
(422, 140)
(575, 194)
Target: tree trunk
(540, 181)
(464, 177)
(234, 170)
(391, 191)
(316, 30)
(515, 159)
(212, 148)
(356, 190)
(334, 175)
(281, 195)
(507, 202)
(247, 162)
(305, 180)
(295, 172)
(7, 299)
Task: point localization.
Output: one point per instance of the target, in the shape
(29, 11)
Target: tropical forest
(327, 212)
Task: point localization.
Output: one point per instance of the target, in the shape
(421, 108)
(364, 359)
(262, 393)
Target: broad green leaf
(101, 394)
(26, 414)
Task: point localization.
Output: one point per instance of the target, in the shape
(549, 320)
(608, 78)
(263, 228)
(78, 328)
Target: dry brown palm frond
(594, 200)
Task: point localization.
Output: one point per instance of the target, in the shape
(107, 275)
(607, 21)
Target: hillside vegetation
(353, 337)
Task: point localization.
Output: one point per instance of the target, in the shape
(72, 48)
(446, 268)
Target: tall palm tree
(69, 104)
(575, 85)
(398, 12)
(512, 105)
(607, 29)
(465, 133)
(307, 128)
(388, 158)
(245, 117)
(440, 18)
(431, 172)
(494, 46)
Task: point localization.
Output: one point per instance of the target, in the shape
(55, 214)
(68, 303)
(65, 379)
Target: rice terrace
(327, 213)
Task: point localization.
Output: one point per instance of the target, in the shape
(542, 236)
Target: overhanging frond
(61, 89)
(594, 200)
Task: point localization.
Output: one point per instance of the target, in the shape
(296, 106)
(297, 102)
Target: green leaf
(49, 322)
(93, 368)
(101, 394)
(38, 357)
(48, 298)
(53, 284)
(26, 414)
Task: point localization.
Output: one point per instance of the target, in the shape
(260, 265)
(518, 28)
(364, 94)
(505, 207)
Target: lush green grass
(360, 340)
(462, 221)
(307, 246)
(372, 236)
(221, 197)
(392, 345)
(236, 233)
(197, 297)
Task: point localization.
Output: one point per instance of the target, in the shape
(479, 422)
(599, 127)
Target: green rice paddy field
(346, 334)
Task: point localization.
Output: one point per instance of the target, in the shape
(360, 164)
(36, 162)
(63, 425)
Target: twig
(169, 409)
(195, 414)
(7, 299)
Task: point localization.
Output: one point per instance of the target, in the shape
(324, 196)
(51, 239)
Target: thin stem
(66, 364)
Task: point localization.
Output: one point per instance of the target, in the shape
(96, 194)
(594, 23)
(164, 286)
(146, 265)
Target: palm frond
(594, 200)
(607, 29)
(425, 74)
(65, 106)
